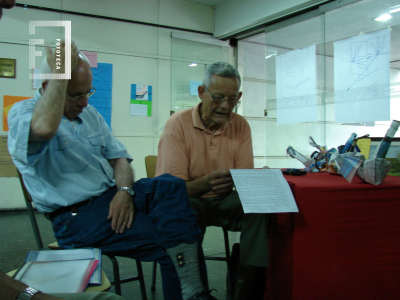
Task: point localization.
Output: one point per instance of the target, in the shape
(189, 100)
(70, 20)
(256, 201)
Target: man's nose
(83, 101)
(225, 104)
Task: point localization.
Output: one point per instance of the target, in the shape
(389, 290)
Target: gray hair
(222, 69)
(45, 69)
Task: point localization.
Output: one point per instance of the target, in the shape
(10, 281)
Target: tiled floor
(16, 239)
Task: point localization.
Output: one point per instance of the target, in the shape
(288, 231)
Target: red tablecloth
(343, 244)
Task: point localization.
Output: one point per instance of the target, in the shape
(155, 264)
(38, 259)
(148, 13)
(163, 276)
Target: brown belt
(72, 208)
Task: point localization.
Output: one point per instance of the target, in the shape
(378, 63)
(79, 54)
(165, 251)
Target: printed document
(263, 191)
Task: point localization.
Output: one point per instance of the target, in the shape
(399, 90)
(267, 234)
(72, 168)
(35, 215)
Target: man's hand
(121, 212)
(56, 57)
(220, 182)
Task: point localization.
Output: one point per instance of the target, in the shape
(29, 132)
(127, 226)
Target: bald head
(83, 62)
(82, 72)
(79, 84)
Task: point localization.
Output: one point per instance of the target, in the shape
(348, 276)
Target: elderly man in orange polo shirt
(200, 145)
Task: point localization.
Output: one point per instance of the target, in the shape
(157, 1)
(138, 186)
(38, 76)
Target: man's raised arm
(50, 108)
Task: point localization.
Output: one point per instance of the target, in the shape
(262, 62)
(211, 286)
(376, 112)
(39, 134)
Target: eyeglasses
(219, 100)
(81, 97)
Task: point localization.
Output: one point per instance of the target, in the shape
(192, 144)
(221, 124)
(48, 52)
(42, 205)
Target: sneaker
(203, 296)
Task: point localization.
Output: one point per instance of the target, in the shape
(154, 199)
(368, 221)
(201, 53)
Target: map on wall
(362, 78)
(102, 82)
(296, 99)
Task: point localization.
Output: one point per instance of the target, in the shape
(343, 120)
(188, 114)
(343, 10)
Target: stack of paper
(263, 191)
(61, 271)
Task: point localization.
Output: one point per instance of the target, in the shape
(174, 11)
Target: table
(343, 244)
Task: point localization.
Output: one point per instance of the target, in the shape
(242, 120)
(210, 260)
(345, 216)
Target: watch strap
(27, 294)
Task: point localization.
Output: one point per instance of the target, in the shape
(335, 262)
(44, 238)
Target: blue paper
(102, 82)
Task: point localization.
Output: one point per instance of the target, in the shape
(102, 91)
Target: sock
(185, 258)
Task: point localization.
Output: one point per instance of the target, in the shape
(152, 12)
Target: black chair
(54, 246)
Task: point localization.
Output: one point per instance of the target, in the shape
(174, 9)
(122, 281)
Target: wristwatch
(27, 294)
(126, 189)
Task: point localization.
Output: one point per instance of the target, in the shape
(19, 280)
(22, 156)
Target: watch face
(126, 189)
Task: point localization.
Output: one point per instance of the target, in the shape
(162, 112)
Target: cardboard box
(7, 167)
(3, 145)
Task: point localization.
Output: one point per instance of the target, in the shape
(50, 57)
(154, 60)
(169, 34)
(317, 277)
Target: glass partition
(354, 70)
(189, 60)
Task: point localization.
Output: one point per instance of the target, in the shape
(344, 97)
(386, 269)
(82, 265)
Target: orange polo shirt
(188, 150)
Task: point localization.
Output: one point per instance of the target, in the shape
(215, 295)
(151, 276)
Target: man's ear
(44, 84)
(201, 90)
(239, 95)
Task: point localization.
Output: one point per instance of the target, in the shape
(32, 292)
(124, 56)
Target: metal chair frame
(117, 280)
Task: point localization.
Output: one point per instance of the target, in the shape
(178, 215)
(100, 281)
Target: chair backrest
(31, 213)
(27, 196)
(151, 163)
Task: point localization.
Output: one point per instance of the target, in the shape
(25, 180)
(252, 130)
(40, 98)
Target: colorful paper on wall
(141, 100)
(102, 82)
(92, 57)
(8, 102)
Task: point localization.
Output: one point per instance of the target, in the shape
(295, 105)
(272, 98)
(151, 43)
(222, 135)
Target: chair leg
(141, 279)
(153, 278)
(228, 264)
(116, 281)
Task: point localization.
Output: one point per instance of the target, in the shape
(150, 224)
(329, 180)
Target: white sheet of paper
(138, 110)
(362, 78)
(65, 255)
(296, 86)
(263, 191)
(57, 277)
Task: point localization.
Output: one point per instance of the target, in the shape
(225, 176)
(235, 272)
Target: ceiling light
(270, 55)
(394, 9)
(192, 65)
(383, 17)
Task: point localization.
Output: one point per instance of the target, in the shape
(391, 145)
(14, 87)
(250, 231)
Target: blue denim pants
(163, 219)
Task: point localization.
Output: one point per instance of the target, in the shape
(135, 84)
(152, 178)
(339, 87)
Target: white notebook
(70, 276)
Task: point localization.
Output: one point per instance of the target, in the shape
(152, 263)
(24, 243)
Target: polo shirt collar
(199, 124)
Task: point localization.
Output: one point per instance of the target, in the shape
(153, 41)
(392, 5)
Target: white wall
(140, 54)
